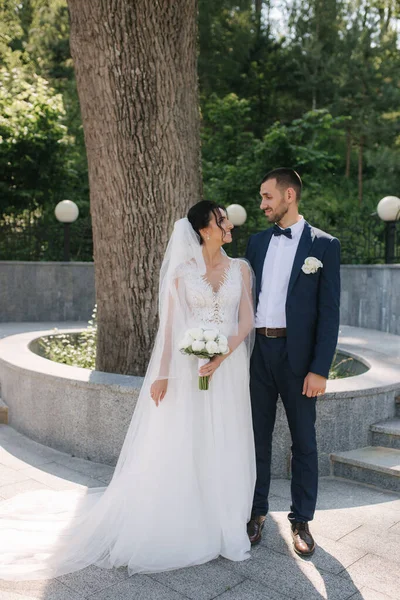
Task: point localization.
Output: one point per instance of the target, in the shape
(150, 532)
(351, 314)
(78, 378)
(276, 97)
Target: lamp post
(237, 215)
(66, 212)
(388, 210)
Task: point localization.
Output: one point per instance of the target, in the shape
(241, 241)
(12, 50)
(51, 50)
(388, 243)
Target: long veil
(46, 534)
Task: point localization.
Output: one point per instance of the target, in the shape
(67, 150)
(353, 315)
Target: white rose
(186, 342)
(196, 333)
(198, 346)
(223, 348)
(212, 347)
(222, 339)
(311, 265)
(210, 335)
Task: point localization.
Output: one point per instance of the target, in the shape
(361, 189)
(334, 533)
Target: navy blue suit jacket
(312, 302)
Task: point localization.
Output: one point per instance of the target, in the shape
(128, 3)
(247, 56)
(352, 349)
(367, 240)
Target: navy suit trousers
(271, 375)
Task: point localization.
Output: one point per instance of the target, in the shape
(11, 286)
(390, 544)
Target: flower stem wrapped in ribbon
(205, 344)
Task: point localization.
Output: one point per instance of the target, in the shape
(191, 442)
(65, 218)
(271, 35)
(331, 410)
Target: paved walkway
(357, 529)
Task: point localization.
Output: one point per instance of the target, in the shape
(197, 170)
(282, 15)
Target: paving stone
(376, 573)
(87, 467)
(201, 582)
(92, 579)
(386, 546)
(34, 590)
(8, 459)
(329, 555)
(251, 590)
(8, 476)
(293, 578)
(337, 523)
(60, 477)
(337, 493)
(28, 485)
(25, 449)
(339, 570)
(280, 487)
(395, 529)
(334, 524)
(106, 479)
(138, 587)
(368, 594)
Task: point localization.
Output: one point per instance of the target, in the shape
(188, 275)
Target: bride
(182, 490)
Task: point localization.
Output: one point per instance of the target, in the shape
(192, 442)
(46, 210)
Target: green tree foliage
(312, 84)
(42, 153)
(234, 159)
(34, 145)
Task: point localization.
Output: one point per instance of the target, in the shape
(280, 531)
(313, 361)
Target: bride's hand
(209, 369)
(158, 390)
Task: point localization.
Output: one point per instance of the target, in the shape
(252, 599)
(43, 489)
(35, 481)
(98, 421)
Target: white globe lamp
(66, 212)
(388, 210)
(237, 214)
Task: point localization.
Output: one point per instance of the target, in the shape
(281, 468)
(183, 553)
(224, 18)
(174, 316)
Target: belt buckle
(271, 337)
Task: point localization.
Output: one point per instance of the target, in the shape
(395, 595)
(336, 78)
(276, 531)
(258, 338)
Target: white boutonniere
(311, 265)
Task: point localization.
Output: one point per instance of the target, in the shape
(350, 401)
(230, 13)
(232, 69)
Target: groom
(297, 270)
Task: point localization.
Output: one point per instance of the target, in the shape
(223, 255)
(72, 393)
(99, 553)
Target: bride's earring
(208, 237)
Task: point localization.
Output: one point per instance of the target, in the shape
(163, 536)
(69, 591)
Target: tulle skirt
(181, 494)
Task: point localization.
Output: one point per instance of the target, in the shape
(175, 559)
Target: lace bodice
(213, 308)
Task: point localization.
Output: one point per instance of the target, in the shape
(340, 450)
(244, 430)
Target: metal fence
(362, 240)
(44, 240)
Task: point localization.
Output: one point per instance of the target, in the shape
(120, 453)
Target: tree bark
(135, 64)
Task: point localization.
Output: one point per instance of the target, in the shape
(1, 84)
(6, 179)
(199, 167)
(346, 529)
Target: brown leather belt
(272, 333)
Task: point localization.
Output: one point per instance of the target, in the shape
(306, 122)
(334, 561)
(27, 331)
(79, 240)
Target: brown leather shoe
(255, 527)
(303, 541)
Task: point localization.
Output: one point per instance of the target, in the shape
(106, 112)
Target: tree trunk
(258, 4)
(360, 170)
(348, 153)
(135, 64)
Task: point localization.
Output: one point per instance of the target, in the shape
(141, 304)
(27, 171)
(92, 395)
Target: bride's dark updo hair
(199, 216)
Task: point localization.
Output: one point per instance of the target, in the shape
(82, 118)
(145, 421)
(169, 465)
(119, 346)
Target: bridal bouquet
(204, 343)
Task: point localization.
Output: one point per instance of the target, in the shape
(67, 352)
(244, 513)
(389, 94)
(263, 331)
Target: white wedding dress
(183, 487)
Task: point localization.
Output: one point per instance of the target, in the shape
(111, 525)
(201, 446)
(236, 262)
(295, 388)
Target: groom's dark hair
(286, 178)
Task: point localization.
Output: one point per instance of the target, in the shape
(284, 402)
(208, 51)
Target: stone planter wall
(87, 413)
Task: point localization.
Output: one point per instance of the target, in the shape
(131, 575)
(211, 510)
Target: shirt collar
(297, 228)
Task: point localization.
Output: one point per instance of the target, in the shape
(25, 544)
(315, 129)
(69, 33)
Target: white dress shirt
(277, 268)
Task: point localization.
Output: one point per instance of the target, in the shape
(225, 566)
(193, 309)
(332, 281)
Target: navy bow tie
(276, 230)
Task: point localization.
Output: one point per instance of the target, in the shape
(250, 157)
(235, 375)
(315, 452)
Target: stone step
(3, 413)
(386, 433)
(373, 465)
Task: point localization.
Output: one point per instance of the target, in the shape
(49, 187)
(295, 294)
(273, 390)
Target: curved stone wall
(87, 413)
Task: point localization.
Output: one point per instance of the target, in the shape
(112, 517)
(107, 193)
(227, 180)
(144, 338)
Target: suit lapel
(303, 249)
(261, 253)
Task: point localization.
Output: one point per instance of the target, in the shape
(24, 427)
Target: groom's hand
(314, 385)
